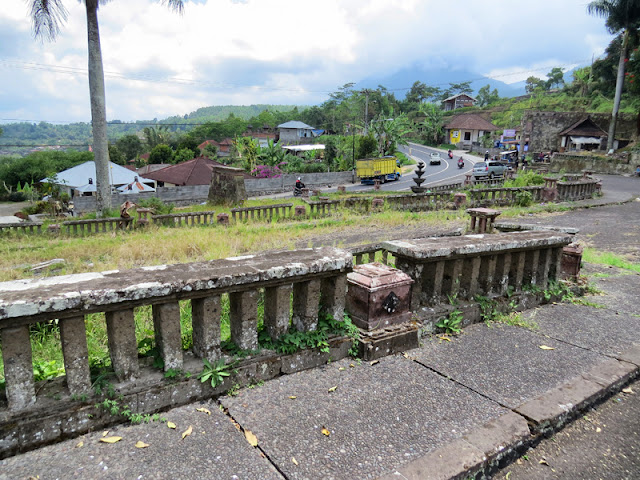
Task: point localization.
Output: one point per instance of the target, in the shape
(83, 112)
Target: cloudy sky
(239, 52)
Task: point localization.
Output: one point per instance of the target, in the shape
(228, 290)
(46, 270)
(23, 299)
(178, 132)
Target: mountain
(402, 80)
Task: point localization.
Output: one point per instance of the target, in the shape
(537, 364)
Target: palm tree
(47, 17)
(620, 15)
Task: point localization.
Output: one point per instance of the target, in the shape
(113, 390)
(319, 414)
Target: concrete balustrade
(303, 274)
(445, 188)
(187, 219)
(578, 189)
(22, 227)
(97, 225)
(478, 264)
(417, 202)
(502, 196)
(323, 208)
(282, 210)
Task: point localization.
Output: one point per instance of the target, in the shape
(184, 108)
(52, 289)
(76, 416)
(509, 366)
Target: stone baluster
(544, 265)
(487, 273)
(205, 318)
(277, 302)
(243, 315)
(73, 337)
(470, 275)
(532, 259)
(306, 299)
(359, 258)
(166, 324)
(451, 277)
(431, 279)
(18, 367)
(123, 348)
(501, 277)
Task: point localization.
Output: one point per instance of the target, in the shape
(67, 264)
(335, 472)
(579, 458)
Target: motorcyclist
(460, 162)
(450, 153)
(297, 189)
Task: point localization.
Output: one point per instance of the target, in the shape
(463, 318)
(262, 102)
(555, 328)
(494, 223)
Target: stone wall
(545, 127)
(190, 195)
(610, 165)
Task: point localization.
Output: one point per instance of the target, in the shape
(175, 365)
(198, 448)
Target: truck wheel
(491, 176)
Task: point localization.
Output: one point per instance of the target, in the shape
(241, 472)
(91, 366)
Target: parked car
(435, 159)
(489, 169)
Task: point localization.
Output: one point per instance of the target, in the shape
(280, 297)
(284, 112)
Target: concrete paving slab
(598, 329)
(215, 449)
(506, 363)
(621, 291)
(379, 417)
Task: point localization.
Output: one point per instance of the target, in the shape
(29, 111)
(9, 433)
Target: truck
(384, 169)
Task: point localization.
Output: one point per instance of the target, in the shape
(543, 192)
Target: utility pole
(366, 111)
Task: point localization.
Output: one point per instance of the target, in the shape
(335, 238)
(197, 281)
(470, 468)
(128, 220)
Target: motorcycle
(450, 154)
(461, 163)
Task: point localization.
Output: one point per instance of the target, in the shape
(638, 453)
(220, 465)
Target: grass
(592, 255)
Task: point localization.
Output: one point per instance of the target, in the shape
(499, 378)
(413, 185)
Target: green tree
(555, 77)
(390, 132)
(486, 96)
(534, 83)
(248, 151)
(432, 127)
(272, 154)
(183, 155)
(581, 80)
(116, 156)
(156, 136)
(620, 15)
(161, 154)
(366, 146)
(130, 146)
(210, 150)
(47, 17)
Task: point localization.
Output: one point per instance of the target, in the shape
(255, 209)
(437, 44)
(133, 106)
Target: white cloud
(277, 51)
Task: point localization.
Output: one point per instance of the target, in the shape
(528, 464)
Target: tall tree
(620, 15)
(47, 16)
(555, 77)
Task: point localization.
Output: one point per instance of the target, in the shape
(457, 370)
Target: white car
(435, 159)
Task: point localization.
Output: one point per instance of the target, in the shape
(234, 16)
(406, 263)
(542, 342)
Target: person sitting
(297, 190)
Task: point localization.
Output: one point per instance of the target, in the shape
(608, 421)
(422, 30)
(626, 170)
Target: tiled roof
(191, 172)
(585, 127)
(295, 124)
(470, 121)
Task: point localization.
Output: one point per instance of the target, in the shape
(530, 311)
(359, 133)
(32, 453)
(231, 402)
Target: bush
(525, 179)
(524, 198)
(158, 206)
(312, 168)
(17, 197)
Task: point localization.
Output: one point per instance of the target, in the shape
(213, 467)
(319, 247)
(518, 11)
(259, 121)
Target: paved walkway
(438, 411)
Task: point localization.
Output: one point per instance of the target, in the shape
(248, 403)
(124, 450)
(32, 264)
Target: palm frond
(47, 16)
(176, 5)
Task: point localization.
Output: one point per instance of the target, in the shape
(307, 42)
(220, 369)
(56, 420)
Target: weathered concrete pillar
(73, 336)
(432, 276)
(469, 278)
(501, 277)
(306, 301)
(460, 200)
(342, 189)
(18, 367)
(166, 324)
(377, 204)
(333, 294)
(451, 277)
(358, 260)
(223, 218)
(205, 319)
(555, 267)
(544, 264)
(516, 273)
(123, 348)
(277, 305)
(243, 313)
(487, 273)
(571, 260)
(300, 211)
(531, 262)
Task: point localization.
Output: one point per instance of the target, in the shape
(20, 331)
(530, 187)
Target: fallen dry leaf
(80, 444)
(627, 390)
(340, 369)
(171, 425)
(545, 347)
(333, 389)
(598, 430)
(374, 362)
(351, 365)
(405, 354)
(187, 432)
(110, 439)
(251, 438)
(293, 459)
(292, 397)
(325, 431)
(105, 433)
(543, 462)
(140, 444)
(444, 337)
(204, 410)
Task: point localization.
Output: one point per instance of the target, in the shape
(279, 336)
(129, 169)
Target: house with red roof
(467, 128)
(192, 172)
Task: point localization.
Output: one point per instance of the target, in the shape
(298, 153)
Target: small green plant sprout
(451, 323)
(215, 373)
